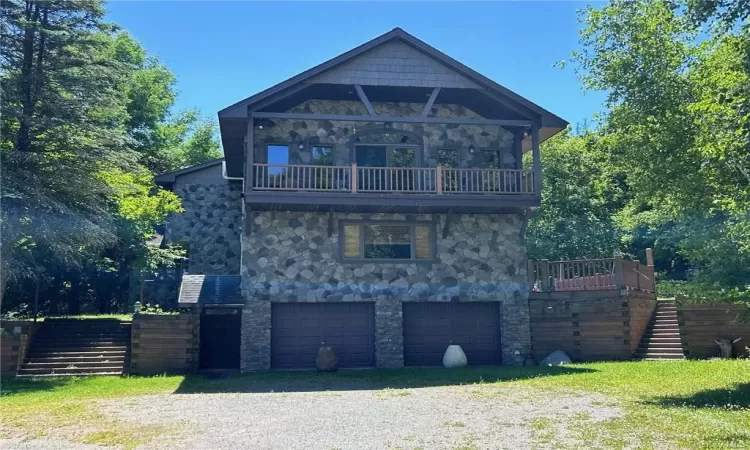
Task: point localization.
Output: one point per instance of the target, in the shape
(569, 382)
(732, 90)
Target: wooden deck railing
(413, 180)
(591, 274)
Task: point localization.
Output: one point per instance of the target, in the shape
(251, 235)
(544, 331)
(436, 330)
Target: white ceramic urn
(454, 357)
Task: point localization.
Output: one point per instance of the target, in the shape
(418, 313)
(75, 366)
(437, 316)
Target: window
(277, 154)
(322, 155)
(387, 241)
(448, 157)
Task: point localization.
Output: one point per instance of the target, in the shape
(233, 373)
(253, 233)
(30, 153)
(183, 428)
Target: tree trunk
(23, 138)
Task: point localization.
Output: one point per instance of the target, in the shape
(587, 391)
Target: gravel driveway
(451, 417)
(356, 416)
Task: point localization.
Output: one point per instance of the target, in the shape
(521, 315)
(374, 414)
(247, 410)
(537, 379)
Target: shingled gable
(346, 68)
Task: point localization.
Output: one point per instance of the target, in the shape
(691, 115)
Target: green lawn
(687, 404)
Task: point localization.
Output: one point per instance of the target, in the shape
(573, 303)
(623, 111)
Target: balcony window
(322, 155)
(277, 154)
(388, 241)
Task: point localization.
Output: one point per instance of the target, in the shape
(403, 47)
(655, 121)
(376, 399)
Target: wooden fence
(701, 324)
(591, 274)
(165, 344)
(589, 325)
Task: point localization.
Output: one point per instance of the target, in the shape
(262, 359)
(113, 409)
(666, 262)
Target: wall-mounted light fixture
(301, 145)
(471, 148)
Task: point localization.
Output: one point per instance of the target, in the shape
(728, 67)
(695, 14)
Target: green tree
(678, 122)
(582, 190)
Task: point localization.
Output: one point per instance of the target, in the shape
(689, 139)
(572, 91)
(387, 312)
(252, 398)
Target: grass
(686, 404)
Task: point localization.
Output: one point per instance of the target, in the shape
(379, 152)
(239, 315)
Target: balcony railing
(402, 180)
(590, 274)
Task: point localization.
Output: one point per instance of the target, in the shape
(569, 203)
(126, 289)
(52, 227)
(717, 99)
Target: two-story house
(376, 203)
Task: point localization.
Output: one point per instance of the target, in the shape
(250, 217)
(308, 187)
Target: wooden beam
(280, 96)
(249, 153)
(359, 118)
(537, 158)
(430, 102)
(365, 100)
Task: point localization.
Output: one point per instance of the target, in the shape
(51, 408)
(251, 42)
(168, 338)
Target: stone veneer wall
(210, 226)
(289, 257)
(339, 133)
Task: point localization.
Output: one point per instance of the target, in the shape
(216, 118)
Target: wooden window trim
(431, 224)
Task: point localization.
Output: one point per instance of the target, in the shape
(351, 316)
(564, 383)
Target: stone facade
(339, 134)
(290, 257)
(210, 226)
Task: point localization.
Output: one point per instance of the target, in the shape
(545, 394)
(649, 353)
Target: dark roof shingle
(199, 290)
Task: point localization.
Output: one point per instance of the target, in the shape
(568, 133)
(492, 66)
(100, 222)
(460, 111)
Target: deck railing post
(618, 272)
(544, 269)
(354, 178)
(439, 179)
(649, 257)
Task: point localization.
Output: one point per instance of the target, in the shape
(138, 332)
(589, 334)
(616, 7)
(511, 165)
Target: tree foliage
(677, 127)
(87, 122)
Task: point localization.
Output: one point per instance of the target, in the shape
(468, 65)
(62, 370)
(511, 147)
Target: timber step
(67, 347)
(661, 340)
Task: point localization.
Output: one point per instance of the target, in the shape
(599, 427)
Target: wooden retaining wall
(14, 344)
(641, 306)
(589, 325)
(165, 344)
(700, 324)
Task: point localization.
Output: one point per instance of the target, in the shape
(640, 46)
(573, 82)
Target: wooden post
(36, 298)
(537, 159)
(544, 274)
(649, 257)
(354, 178)
(439, 179)
(249, 153)
(618, 272)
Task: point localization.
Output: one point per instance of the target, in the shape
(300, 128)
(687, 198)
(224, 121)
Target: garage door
(298, 329)
(429, 328)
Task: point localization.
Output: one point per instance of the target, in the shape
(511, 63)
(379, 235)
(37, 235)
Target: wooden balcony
(591, 275)
(392, 188)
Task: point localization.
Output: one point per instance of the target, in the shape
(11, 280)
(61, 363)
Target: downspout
(227, 177)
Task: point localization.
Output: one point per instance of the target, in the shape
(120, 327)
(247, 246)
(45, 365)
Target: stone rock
(556, 358)
(454, 357)
(326, 361)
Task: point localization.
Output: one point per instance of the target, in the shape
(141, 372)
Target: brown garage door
(429, 328)
(298, 329)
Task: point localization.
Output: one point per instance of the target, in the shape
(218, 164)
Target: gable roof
(239, 109)
(169, 178)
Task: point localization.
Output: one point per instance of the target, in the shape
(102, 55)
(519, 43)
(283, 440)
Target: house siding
(210, 225)
(290, 257)
(395, 64)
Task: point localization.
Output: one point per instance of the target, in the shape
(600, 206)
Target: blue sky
(222, 52)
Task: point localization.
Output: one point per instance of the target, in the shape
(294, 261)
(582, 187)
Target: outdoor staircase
(662, 337)
(78, 347)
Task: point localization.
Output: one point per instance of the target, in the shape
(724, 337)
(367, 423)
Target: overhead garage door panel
(429, 328)
(299, 329)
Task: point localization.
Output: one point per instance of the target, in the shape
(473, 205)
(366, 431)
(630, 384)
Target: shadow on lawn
(735, 398)
(346, 380)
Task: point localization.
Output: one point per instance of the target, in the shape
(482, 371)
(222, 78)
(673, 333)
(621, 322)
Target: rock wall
(210, 226)
(339, 134)
(289, 257)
